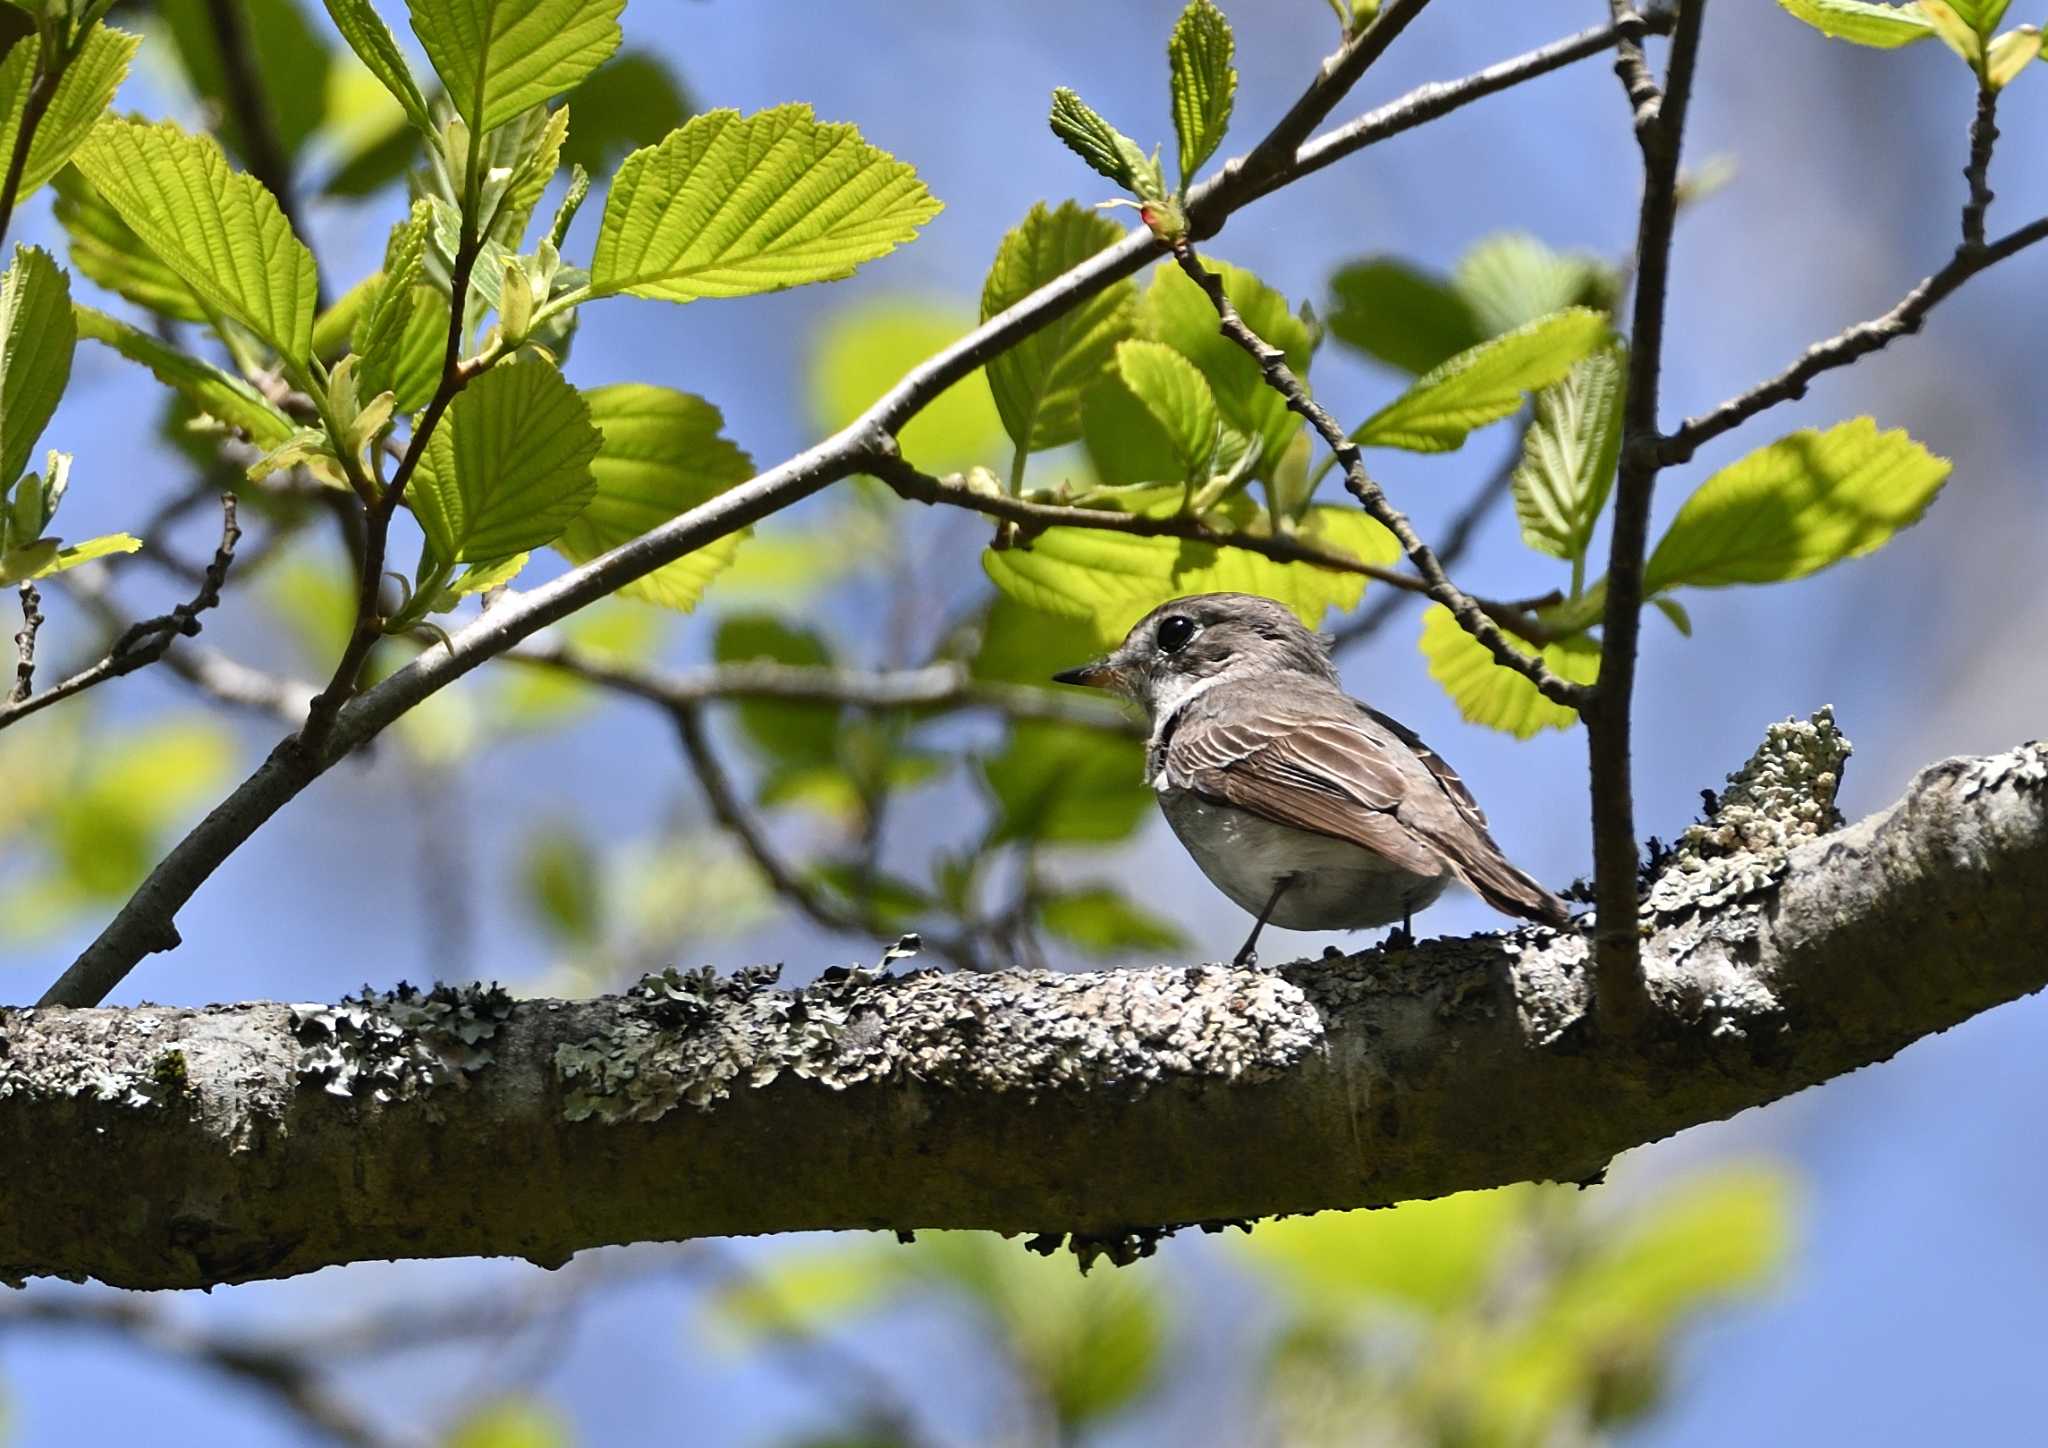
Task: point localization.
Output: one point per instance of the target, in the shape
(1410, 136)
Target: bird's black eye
(1174, 634)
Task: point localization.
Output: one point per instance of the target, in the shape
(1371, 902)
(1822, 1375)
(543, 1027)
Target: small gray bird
(1306, 807)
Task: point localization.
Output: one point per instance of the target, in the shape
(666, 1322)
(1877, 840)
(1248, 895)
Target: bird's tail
(1495, 879)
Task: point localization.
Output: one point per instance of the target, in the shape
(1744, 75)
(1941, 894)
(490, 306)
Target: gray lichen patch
(394, 1045)
(692, 1039)
(2023, 768)
(1784, 796)
(116, 1060)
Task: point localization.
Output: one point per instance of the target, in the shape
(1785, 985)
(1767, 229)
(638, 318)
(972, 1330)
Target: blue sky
(1910, 1314)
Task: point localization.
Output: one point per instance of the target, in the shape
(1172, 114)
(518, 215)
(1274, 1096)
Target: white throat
(1173, 696)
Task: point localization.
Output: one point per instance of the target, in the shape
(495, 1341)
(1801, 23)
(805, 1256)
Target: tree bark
(170, 1147)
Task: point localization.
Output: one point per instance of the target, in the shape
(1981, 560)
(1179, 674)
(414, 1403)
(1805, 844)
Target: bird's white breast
(1339, 886)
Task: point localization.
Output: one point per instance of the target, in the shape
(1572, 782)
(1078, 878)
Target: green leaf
(371, 39)
(1884, 26)
(1204, 83)
(1111, 580)
(729, 206)
(499, 57)
(219, 395)
(381, 328)
(1178, 312)
(633, 100)
(563, 887)
(1400, 315)
(1484, 384)
(1486, 693)
(861, 351)
(1056, 784)
(217, 228)
(662, 454)
(1435, 1257)
(1512, 279)
(1796, 506)
(293, 60)
(512, 1422)
(793, 735)
(1173, 390)
(1106, 149)
(86, 552)
(1672, 609)
(82, 98)
(37, 335)
(508, 468)
(1100, 920)
(103, 247)
(1569, 455)
(2010, 54)
(1038, 383)
(1956, 32)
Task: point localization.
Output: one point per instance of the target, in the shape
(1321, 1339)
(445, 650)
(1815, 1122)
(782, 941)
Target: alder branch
(1474, 618)
(1102, 1104)
(1659, 117)
(146, 923)
(1977, 174)
(146, 642)
(25, 644)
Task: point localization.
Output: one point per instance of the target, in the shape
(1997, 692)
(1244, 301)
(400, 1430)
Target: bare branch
(1983, 136)
(1099, 1103)
(146, 922)
(1472, 616)
(25, 644)
(1660, 129)
(146, 642)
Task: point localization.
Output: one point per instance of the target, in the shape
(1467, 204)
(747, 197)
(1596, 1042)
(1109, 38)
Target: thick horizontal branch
(1101, 1104)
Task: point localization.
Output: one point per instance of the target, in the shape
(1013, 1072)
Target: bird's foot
(1331, 952)
(1247, 959)
(1399, 938)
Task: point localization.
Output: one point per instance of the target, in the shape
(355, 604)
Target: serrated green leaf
(379, 335)
(1486, 693)
(1173, 390)
(332, 327)
(633, 100)
(27, 565)
(732, 205)
(416, 370)
(860, 352)
(1038, 384)
(1796, 506)
(1101, 920)
(1511, 279)
(1569, 455)
(1201, 53)
(83, 96)
(1106, 149)
(1178, 312)
(372, 41)
(662, 454)
(216, 228)
(1484, 384)
(37, 335)
(500, 57)
(1111, 580)
(107, 251)
(1057, 784)
(1126, 445)
(508, 468)
(219, 395)
(532, 151)
(292, 58)
(1400, 315)
(1862, 23)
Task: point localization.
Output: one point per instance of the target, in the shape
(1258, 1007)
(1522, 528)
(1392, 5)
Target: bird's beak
(1098, 675)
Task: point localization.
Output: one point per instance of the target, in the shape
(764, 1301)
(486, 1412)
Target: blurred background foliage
(1524, 1316)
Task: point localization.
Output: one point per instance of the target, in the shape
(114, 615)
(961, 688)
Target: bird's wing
(1446, 777)
(1317, 772)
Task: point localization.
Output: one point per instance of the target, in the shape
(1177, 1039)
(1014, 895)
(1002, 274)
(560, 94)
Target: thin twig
(147, 922)
(25, 644)
(1983, 136)
(1660, 127)
(146, 642)
(1457, 538)
(51, 63)
(935, 688)
(1472, 616)
(784, 879)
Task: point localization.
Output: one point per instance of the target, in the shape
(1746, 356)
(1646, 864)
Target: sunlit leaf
(1497, 697)
(1569, 454)
(37, 336)
(82, 98)
(1796, 506)
(213, 392)
(1512, 279)
(1179, 313)
(1484, 384)
(662, 454)
(499, 57)
(508, 468)
(732, 205)
(217, 228)
(1201, 52)
(373, 43)
(1062, 785)
(1173, 390)
(106, 250)
(1038, 383)
(1432, 1257)
(1108, 151)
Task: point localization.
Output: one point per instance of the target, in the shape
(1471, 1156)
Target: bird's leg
(1404, 938)
(1249, 955)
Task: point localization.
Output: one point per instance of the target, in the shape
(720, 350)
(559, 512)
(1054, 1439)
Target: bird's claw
(1400, 938)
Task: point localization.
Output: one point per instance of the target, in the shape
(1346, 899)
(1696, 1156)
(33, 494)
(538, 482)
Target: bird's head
(1185, 644)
